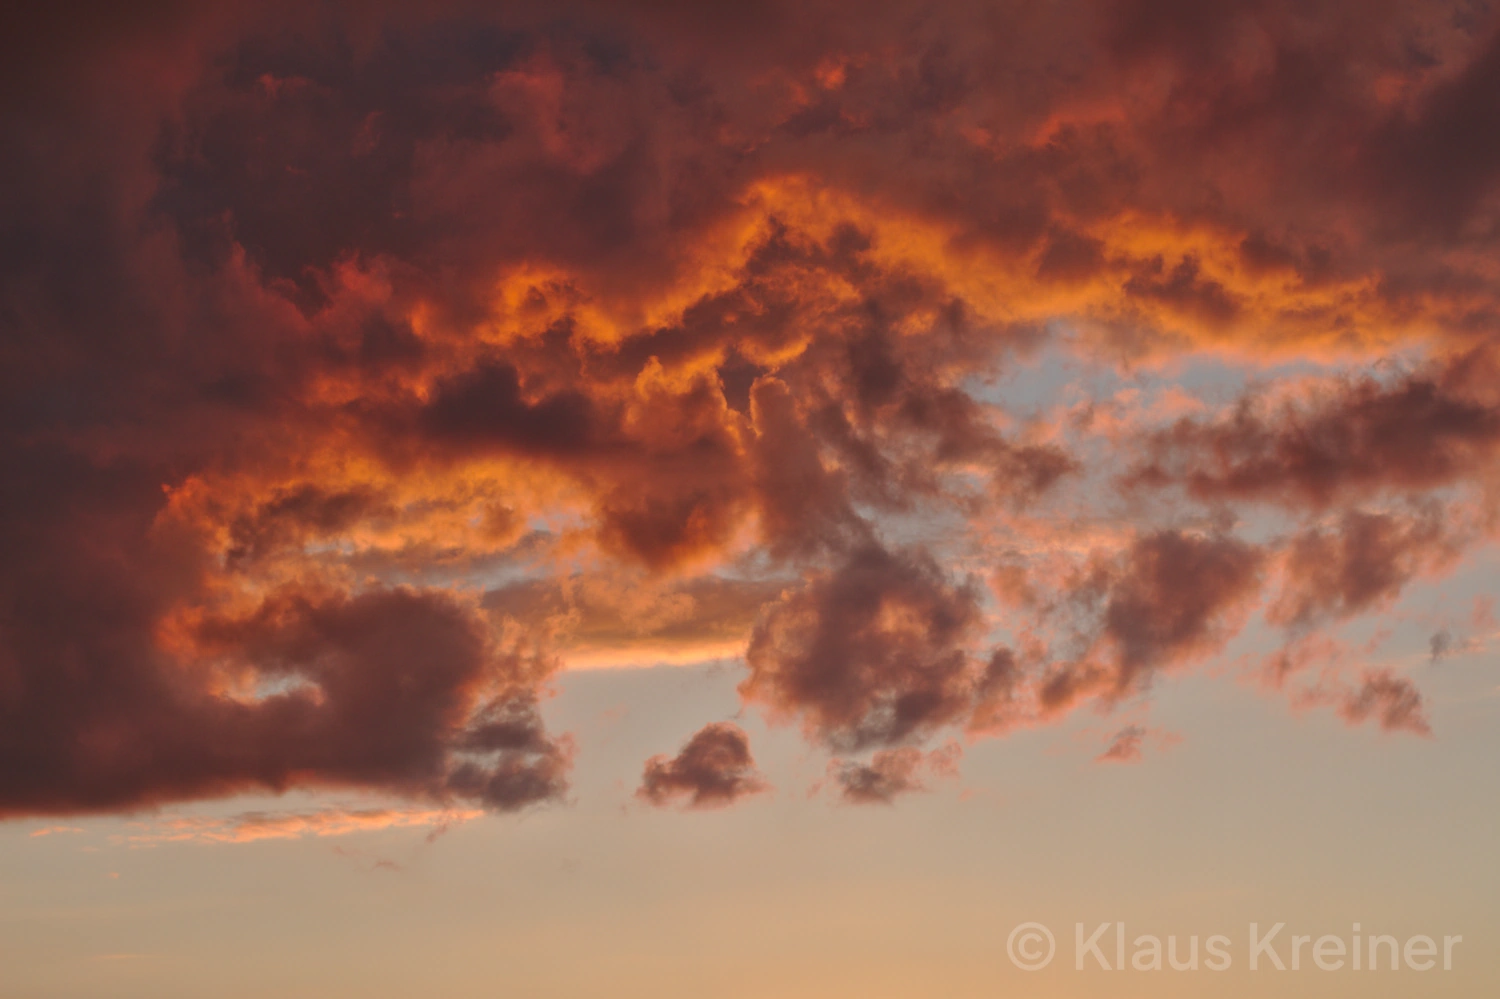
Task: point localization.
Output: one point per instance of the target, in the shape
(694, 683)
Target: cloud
(1392, 701)
(1350, 439)
(250, 827)
(1124, 746)
(1364, 561)
(1171, 597)
(399, 690)
(297, 514)
(1439, 645)
(891, 773)
(1176, 596)
(1444, 643)
(714, 768)
(624, 616)
(874, 653)
(670, 327)
(1128, 745)
(482, 407)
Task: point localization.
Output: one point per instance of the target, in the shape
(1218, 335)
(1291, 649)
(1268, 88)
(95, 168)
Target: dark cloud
(1070, 256)
(874, 653)
(1172, 597)
(1184, 290)
(483, 406)
(1352, 439)
(1392, 701)
(891, 773)
(375, 691)
(1440, 152)
(1124, 746)
(1442, 644)
(1361, 562)
(999, 693)
(299, 306)
(298, 513)
(1175, 596)
(803, 503)
(714, 768)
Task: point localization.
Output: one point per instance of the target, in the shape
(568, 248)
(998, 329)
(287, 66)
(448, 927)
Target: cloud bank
(363, 366)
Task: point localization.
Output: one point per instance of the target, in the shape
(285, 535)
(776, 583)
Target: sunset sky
(661, 499)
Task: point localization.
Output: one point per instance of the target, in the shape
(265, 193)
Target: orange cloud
(352, 389)
(250, 827)
(714, 768)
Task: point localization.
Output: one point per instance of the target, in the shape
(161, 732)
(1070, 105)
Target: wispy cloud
(249, 827)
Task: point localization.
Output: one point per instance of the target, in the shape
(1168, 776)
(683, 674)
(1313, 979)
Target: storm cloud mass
(363, 365)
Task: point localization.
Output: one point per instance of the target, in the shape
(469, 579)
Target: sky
(649, 498)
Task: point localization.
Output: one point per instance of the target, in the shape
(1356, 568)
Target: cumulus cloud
(1390, 700)
(1125, 746)
(1129, 744)
(1171, 597)
(380, 691)
(891, 773)
(873, 653)
(1364, 560)
(714, 768)
(1351, 439)
(318, 325)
